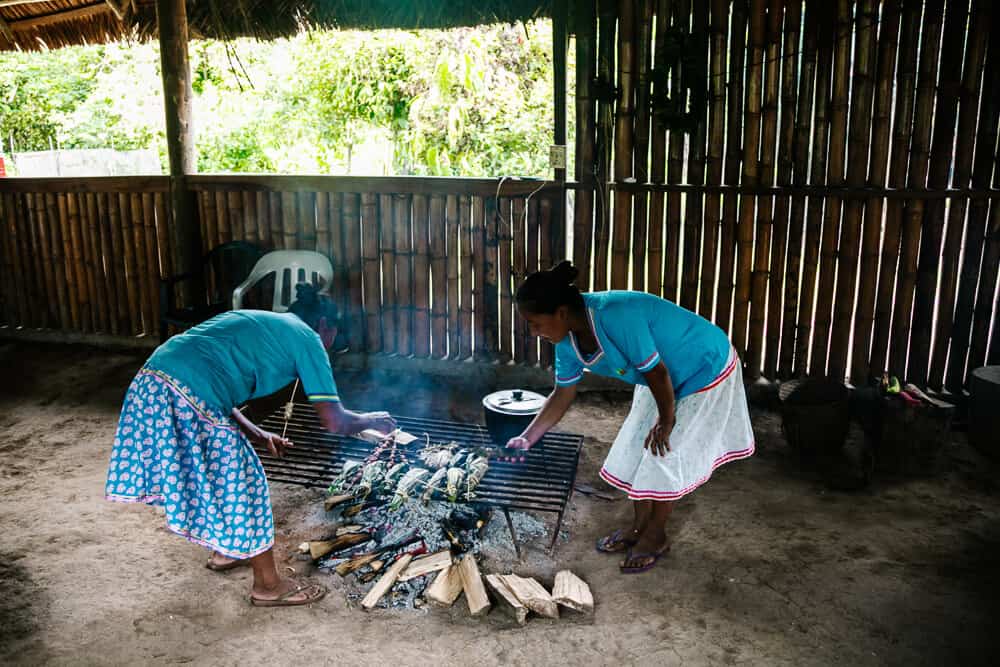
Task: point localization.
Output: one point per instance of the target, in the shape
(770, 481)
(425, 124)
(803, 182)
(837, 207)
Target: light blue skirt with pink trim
(173, 451)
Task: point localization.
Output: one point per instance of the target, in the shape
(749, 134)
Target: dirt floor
(768, 566)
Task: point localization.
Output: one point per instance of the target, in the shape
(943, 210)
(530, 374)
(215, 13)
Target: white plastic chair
(301, 266)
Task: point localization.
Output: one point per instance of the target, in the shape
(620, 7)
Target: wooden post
(623, 146)
(172, 25)
(605, 134)
(640, 158)
(583, 218)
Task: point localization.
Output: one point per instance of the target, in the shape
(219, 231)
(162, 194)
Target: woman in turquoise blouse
(689, 412)
(183, 444)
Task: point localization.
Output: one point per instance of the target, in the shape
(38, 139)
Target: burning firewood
(385, 583)
(320, 548)
(426, 565)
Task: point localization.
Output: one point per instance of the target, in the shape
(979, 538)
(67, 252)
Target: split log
(571, 591)
(386, 582)
(426, 565)
(446, 587)
(333, 501)
(472, 584)
(501, 588)
(321, 548)
(532, 594)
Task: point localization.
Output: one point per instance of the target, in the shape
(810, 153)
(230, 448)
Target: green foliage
(471, 102)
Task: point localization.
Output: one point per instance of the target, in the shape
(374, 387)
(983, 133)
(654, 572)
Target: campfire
(413, 509)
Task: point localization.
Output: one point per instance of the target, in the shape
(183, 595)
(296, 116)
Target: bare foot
(287, 593)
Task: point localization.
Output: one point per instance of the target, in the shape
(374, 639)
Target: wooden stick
(249, 207)
(658, 156)
(440, 280)
(466, 276)
(605, 141)
(472, 586)
(694, 209)
(162, 223)
(518, 213)
(490, 310)
(223, 223)
(371, 263)
(571, 591)
(421, 269)
(719, 18)
(262, 207)
(446, 588)
(642, 38)
(276, 219)
(152, 262)
(59, 255)
(583, 217)
(505, 240)
(500, 587)
(623, 151)
(532, 595)
(546, 351)
(143, 270)
(81, 263)
(479, 305)
(531, 259)
(425, 565)
(385, 583)
(289, 222)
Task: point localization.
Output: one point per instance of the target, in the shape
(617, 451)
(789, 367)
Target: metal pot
(509, 412)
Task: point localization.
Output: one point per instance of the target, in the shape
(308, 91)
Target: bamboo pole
(490, 290)
(153, 273)
(986, 301)
(751, 176)
(249, 206)
(133, 286)
(786, 148)
(143, 271)
(162, 223)
(546, 260)
(307, 221)
(95, 273)
(694, 219)
(387, 239)
(583, 217)
(453, 273)
(881, 121)
(765, 205)
(466, 277)
(209, 221)
(624, 144)
(421, 269)
(65, 269)
(531, 266)
(438, 231)
(982, 171)
(350, 216)
(20, 262)
(261, 207)
(505, 239)
(371, 265)
(834, 176)
(11, 274)
(814, 213)
(402, 218)
(902, 130)
(859, 147)
(222, 221)
(680, 11)
(917, 177)
(112, 262)
(479, 252)
(643, 26)
(234, 214)
(25, 206)
(938, 176)
(59, 257)
(518, 221)
(658, 155)
(605, 138)
(331, 205)
(41, 216)
(277, 220)
(289, 222)
(75, 271)
(325, 245)
(734, 139)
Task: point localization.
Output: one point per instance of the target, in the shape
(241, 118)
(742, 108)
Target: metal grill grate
(541, 483)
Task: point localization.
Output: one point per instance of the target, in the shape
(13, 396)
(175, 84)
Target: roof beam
(59, 17)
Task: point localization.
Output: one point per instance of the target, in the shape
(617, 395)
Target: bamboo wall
(833, 204)
(834, 207)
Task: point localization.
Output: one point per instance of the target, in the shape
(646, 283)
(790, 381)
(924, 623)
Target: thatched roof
(32, 25)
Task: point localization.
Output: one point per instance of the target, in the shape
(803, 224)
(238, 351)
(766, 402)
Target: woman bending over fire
(182, 443)
(689, 411)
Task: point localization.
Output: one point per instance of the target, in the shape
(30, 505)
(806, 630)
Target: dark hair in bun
(311, 306)
(543, 292)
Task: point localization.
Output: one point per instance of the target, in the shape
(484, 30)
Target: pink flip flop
(655, 555)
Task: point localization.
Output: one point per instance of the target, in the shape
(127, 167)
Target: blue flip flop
(655, 555)
(613, 538)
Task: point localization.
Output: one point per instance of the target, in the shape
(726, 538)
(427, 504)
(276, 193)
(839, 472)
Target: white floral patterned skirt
(712, 427)
(171, 450)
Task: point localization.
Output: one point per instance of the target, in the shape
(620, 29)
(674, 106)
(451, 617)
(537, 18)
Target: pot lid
(514, 402)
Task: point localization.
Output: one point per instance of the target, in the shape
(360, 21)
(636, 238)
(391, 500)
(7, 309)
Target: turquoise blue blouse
(635, 331)
(244, 354)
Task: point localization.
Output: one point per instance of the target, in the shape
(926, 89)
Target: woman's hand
(274, 442)
(380, 421)
(517, 443)
(658, 439)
